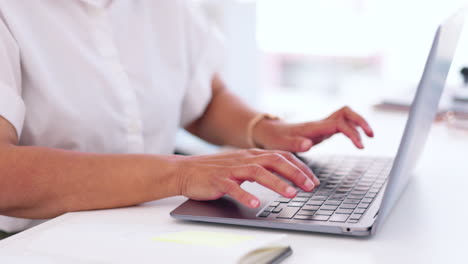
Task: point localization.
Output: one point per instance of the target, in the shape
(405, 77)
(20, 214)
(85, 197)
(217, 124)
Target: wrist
(178, 176)
(169, 184)
(262, 131)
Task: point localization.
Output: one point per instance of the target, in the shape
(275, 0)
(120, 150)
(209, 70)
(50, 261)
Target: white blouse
(103, 76)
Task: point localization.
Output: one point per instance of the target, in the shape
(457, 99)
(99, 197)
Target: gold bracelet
(251, 125)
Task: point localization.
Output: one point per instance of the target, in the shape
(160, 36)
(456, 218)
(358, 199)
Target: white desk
(426, 226)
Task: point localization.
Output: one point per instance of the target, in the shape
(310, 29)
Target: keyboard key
(306, 212)
(319, 217)
(337, 198)
(333, 202)
(277, 210)
(319, 198)
(363, 205)
(310, 207)
(315, 202)
(341, 171)
(355, 217)
(366, 180)
(344, 211)
(339, 218)
(300, 199)
(353, 196)
(304, 194)
(288, 212)
(353, 221)
(378, 185)
(269, 209)
(324, 212)
(358, 193)
(295, 204)
(367, 200)
(349, 182)
(351, 201)
(341, 192)
(329, 207)
(361, 189)
(348, 206)
(274, 204)
(323, 193)
(345, 188)
(264, 214)
(359, 210)
(283, 200)
(303, 217)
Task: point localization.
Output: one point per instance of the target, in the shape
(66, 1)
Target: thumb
(295, 144)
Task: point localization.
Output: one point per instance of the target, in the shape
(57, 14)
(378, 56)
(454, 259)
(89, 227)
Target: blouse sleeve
(205, 58)
(11, 103)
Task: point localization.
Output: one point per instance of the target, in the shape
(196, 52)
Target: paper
(117, 237)
(200, 238)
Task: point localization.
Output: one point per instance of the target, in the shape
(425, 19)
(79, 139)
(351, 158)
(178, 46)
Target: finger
(301, 165)
(228, 158)
(245, 198)
(358, 119)
(317, 129)
(256, 151)
(292, 144)
(279, 164)
(351, 132)
(262, 176)
(299, 144)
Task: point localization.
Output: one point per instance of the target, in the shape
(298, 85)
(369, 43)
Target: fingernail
(305, 145)
(309, 184)
(360, 145)
(254, 203)
(318, 181)
(291, 191)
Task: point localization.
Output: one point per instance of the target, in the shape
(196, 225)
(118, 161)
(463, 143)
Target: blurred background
(349, 49)
(304, 59)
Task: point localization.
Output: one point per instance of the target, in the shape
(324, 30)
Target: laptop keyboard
(348, 187)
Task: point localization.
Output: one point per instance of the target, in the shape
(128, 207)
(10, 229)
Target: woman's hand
(274, 134)
(211, 177)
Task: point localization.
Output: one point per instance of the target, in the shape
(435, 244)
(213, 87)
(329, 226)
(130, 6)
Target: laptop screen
(423, 109)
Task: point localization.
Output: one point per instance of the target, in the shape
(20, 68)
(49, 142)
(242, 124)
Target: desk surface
(426, 226)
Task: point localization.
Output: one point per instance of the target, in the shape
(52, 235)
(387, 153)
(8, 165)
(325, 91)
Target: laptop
(356, 194)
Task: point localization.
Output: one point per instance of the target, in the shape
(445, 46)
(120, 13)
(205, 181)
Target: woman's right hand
(211, 177)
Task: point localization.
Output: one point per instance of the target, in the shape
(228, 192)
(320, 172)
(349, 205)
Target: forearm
(225, 119)
(44, 183)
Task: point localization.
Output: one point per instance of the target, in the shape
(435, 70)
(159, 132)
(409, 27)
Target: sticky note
(201, 238)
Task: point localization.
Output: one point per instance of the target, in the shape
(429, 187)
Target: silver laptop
(356, 194)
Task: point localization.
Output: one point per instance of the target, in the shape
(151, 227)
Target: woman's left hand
(278, 135)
